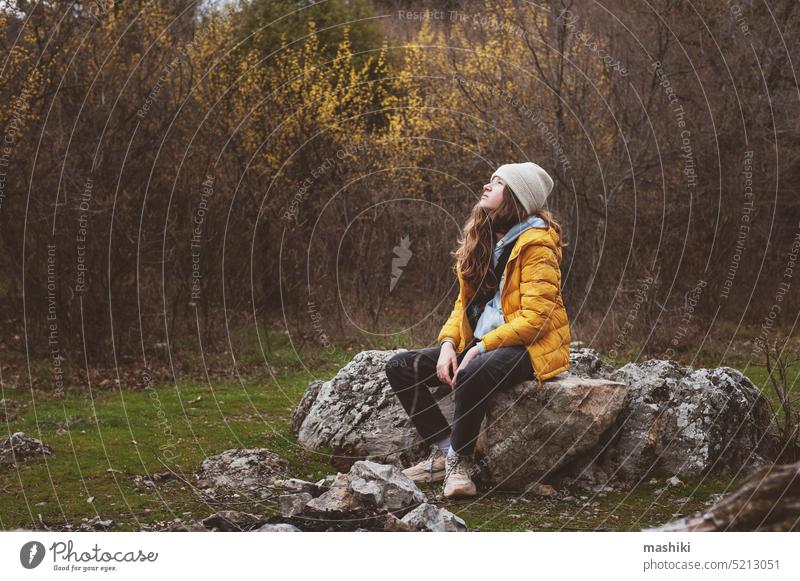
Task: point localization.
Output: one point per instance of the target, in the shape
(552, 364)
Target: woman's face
(492, 194)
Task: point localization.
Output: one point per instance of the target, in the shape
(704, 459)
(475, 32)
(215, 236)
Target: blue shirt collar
(532, 221)
(513, 233)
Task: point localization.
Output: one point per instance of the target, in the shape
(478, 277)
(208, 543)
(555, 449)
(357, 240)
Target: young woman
(508, 325)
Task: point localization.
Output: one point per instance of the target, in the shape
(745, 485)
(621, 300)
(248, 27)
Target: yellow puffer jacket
(532, 305)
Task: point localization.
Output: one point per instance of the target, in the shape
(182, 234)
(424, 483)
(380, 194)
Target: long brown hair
(474, 254)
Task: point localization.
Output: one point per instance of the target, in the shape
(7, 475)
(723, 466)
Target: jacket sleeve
(539, 290)
(452, 328)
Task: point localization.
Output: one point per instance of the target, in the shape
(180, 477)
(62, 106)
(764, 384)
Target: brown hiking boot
(457, 481)
(429, 470)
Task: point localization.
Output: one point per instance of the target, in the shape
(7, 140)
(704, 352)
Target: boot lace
(456, 465)
(434, 452)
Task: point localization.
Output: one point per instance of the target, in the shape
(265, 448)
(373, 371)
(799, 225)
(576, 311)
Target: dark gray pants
(411, 374)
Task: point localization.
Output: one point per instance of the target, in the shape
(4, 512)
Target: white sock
(444, 444)
(451, 453)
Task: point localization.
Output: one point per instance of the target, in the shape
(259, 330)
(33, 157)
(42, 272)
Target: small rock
(327, 481)
(145, 481)
(233, 520)
(96, 523)
(295, 485)
(162, 476)
(543, 490)
(392, 524)
(427, 517)
(292, 504)
(240, 471)
(278, 528)
(180, 526)
(367, 492)
(337, 499)
(398, 490)
(20, 447)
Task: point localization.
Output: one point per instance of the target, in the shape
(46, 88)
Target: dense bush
(168, 172)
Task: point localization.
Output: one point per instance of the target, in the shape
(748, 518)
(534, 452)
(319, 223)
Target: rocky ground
(617, 449)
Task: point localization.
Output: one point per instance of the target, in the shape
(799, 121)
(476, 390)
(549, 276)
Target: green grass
(104, 438)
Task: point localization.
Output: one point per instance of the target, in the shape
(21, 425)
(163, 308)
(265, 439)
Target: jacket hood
(510, 237)
(542, 236)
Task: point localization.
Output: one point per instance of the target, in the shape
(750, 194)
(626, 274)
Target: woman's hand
(471, 354)
(447, 362)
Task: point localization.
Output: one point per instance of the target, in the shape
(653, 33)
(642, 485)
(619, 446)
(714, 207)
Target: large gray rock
(530, 432)
(300, 412)
(593, 425)
(585, 362)
(681, 421)
(357, 416)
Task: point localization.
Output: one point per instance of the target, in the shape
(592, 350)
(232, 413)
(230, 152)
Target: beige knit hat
(530, 183)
